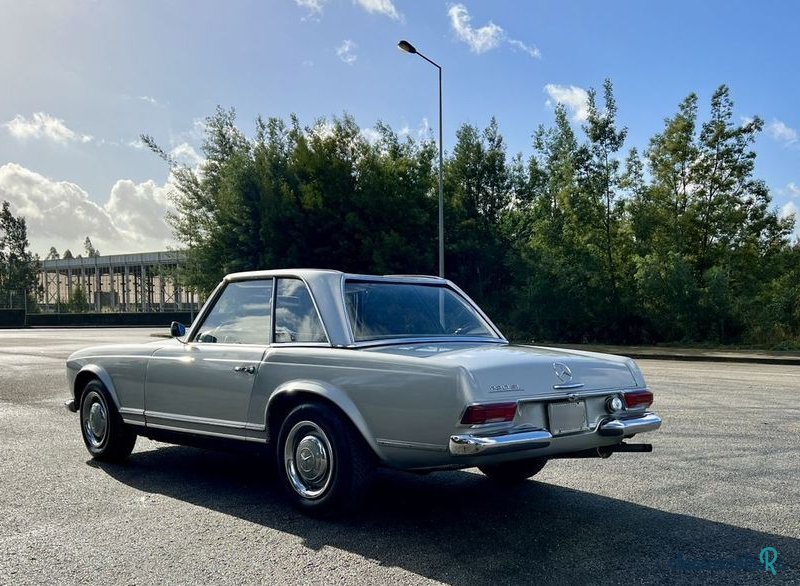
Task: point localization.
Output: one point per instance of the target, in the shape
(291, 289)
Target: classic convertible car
(336, 374)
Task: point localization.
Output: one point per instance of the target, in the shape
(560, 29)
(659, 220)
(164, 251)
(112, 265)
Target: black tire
(513, 472)
(106, 436)
(337, 464)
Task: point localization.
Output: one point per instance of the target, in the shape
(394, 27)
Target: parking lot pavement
(721, 484)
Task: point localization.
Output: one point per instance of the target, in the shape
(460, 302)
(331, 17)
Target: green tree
(293, 196)
(78, 301)
(604, 225)
(18, 267)
(91, 251)
(478, 190)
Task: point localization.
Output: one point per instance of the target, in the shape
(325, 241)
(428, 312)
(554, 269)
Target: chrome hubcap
(95, 420)
(309, 459)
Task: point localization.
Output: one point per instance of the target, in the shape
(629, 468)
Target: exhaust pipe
(632, 448)
(606, 451)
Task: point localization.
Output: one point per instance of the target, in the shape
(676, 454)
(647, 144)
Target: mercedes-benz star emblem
(563, 373)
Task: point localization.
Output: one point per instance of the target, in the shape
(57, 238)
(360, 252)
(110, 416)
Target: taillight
(638, 399)
(494, 413)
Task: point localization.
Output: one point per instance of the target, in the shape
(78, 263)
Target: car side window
(241, 315)
(296, 318)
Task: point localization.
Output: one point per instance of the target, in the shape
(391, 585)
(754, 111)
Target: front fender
(94, 371)
(330, 393)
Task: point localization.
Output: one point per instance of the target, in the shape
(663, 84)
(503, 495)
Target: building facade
(142, 282)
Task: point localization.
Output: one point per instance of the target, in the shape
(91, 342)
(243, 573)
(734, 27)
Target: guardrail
(16, 318)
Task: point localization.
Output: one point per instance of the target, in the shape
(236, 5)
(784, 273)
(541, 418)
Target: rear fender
(330, 393)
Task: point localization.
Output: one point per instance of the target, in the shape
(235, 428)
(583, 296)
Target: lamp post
(409, 48)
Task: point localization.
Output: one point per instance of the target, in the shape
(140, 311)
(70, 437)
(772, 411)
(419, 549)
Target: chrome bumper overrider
(470, 445)
(70, 406)
(626, 427)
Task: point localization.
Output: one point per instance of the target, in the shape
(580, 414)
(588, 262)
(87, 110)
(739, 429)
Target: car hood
(138, 349)
(506, 369)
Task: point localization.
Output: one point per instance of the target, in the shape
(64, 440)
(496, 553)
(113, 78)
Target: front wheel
(512, 472)
(323, 464)
(106, 436)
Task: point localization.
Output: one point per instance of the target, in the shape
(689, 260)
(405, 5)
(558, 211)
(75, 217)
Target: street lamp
(409, 48)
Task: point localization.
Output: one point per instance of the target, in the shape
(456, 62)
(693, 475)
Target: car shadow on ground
(461, 528)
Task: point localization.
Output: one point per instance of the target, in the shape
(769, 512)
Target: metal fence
(124, 283)
(13, 299)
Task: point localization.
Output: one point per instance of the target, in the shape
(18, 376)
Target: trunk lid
(505, 370)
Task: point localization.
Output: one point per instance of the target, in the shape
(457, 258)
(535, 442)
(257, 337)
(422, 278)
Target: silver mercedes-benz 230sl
(339, 373)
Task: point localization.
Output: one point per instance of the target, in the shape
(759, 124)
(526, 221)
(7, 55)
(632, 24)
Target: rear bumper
(470, 445)
(627, 427)
(474, 445)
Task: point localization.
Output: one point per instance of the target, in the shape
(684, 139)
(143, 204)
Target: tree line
(580, 241)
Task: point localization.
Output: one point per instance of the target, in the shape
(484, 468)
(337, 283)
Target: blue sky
(83, 79)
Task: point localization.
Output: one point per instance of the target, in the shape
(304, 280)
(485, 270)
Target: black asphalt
(722, 483)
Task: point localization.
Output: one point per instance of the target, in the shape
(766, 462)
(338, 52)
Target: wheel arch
(93, 372)
(294, 393)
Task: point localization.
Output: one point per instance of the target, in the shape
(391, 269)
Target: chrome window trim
(423, 282)
(194, 327)
(313, 302)
(212, 301)
(301, 345)
(429, 340)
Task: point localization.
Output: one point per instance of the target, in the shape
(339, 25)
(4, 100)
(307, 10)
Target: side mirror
(177, 330)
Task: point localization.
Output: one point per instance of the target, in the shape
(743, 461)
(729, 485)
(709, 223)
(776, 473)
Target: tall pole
(409, 48)
(441, 184)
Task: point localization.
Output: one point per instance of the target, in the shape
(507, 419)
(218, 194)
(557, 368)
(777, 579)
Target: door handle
(248, 369)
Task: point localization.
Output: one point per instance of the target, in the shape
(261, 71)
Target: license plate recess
(567, 417)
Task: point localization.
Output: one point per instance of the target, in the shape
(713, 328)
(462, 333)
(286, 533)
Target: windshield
(399, 310)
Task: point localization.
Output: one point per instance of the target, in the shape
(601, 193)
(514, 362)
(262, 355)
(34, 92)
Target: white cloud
(323, 130)
(480, 40)
(423, 130)
(42, 125)
(60, 213)
(346, 51)
(370, 135)
(137, 211)
(793, 189)
(788, 210)
(782, 133)
(530, 50)
(314, 7)
(185, 154)
(150, 100)
(485, 38)
(573, 97)
(385, 7)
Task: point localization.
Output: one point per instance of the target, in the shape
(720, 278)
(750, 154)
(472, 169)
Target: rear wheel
(105, 434)
(323, 464)
(511, 472)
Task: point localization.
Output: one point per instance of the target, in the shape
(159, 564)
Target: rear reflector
(493, 413)
(638, 399)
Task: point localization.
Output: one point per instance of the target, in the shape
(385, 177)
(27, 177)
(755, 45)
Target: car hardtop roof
(313, 274)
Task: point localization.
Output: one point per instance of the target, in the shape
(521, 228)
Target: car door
(204, 385)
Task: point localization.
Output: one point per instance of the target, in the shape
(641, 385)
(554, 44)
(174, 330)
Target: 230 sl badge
(501, 388)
